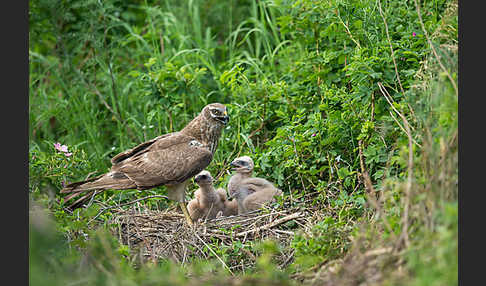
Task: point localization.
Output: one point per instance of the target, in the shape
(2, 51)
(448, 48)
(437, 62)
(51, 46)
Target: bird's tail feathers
(80, 201)
(109, 180)
(84, 190)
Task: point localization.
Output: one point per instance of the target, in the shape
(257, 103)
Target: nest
(165, 235)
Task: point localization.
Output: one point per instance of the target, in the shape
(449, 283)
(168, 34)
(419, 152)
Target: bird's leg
(176, 193)
(186, 213)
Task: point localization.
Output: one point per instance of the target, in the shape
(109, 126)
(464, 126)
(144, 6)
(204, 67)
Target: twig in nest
(289, 258)
(270, 225)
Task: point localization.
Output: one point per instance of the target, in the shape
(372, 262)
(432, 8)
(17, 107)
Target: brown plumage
(250, 193)
(170, 159)
(207, 202)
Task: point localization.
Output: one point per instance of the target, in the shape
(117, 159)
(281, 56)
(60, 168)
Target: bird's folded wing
(169, 160)
(256, 182)
(139, 148)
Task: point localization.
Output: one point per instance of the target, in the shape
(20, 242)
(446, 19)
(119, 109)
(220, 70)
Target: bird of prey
(171, 159)
(243, 166)
(207, 202)
(250, 192)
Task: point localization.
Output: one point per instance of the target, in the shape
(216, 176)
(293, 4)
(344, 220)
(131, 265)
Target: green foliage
(54, 167)
(300, 79)
(435, 260)
(329, 240)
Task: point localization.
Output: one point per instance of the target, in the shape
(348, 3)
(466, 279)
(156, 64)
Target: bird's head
(216, 112)
(203, 178)
(242, 165)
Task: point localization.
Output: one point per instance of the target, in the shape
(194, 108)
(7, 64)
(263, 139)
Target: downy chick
(243, 166)
(252, 193)
(207, 202)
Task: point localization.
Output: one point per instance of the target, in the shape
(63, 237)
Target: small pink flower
(313, 135)
(413, 34)
(68, 154)
(62, 148)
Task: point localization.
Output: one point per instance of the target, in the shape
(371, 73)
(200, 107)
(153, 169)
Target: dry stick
(297, 155)
(393, 56)
(369, 187)
(249, 219)
(270, 225)
(448, 146)
(403, 129)
(391, 47)
(96, 91)
(288, 259)
(433, 49)
(147, 244)
(349, 32)
(125, 204)
(284, 231)
(209, 247)
(404, 235)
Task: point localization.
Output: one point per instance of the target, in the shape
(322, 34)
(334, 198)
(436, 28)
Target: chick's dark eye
(216, 112)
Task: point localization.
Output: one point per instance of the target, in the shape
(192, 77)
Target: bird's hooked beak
(239, 166)
(219, 114)
(225, 118)
(234, 166)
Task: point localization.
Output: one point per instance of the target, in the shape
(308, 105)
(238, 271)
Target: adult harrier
(170, 159)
